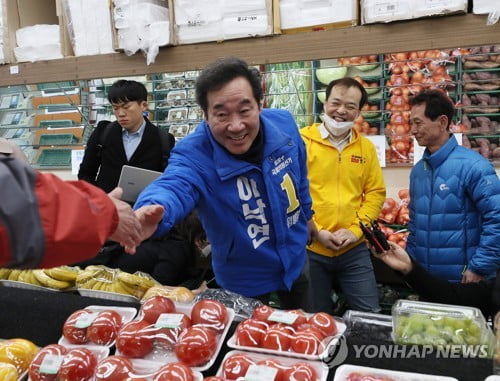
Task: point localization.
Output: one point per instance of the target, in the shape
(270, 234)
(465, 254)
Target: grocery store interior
(59, 59)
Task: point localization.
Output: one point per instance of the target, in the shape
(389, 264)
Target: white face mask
(336, 128)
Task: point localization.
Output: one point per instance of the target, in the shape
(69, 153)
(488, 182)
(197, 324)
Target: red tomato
(324, 322)
(210, 313)
(174, 372)
(73, 334)
(104, 328)
(236, 366)
(262, 313)
(114, 368)
(154, 307)
(277, 337)
(78, 365)
(250, 332)
(136, 339)
(274, 364)
(306, 342)
(309, 328)
(34, 369)
(301, 318)
(300, 372)
(168, 337)
(196, 346)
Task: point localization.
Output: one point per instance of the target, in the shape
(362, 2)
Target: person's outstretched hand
(396, 258)
(128, 231)
(149, 217)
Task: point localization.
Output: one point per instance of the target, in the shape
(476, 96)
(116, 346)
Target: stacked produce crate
(481, 101)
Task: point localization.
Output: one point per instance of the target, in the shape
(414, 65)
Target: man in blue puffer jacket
(455, 198)
(244, 169)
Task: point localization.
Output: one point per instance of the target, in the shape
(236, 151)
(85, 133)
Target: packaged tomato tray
(166, 332)
(95, 325)
(247, 366)
(287, 333)
(120, 368)
(66, 363)
(349, 372)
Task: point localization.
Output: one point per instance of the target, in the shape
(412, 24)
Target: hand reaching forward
(396, 258)
(128, 231)
(149, 217)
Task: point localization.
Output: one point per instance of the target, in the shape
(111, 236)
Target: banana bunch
(97, 278)
(58, 278)
(102, 278)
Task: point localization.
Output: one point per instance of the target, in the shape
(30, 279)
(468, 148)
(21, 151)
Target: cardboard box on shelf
(127, 36)
(297, 16)
(22, 13)
(384, 11)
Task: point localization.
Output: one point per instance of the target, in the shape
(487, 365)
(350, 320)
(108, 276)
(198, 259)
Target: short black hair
(123, 91)
(436, 102)
(348, 82)
(223, 71)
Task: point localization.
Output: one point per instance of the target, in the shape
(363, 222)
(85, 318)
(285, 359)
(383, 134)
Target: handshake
(134, 226)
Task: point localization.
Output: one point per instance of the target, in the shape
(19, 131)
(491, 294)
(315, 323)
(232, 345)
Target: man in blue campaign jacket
(455, 198)
(244, 169)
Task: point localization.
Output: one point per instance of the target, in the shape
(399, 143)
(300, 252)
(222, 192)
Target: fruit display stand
(39, 317)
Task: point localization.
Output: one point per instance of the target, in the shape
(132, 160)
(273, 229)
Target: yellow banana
(135, 280)
(4, 273)
(24, 276)
(47, 281)
(129, 289)
(33, 280)
(86, 276)
(14, 274)
(65, 273)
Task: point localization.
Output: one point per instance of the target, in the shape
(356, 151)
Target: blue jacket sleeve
(177, 190)
(483, 187)
(305, 195)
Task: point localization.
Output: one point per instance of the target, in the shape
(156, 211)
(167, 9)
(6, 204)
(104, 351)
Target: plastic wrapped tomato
(136, 339)
(196, 346)
(104, 328)
(78, 365)
(236, 366)
(153, 307)
(114, 368)
(34, 370)
(211, 314)
(72, 331)
(324, 322)
(250, 332)
(174, 372)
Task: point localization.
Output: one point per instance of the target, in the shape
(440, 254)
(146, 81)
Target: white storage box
(88, 23)
(217, 20)
(295, 15)
(373, 11)
(481, 7)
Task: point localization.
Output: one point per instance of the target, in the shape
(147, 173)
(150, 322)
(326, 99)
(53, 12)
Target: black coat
(102, 167)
